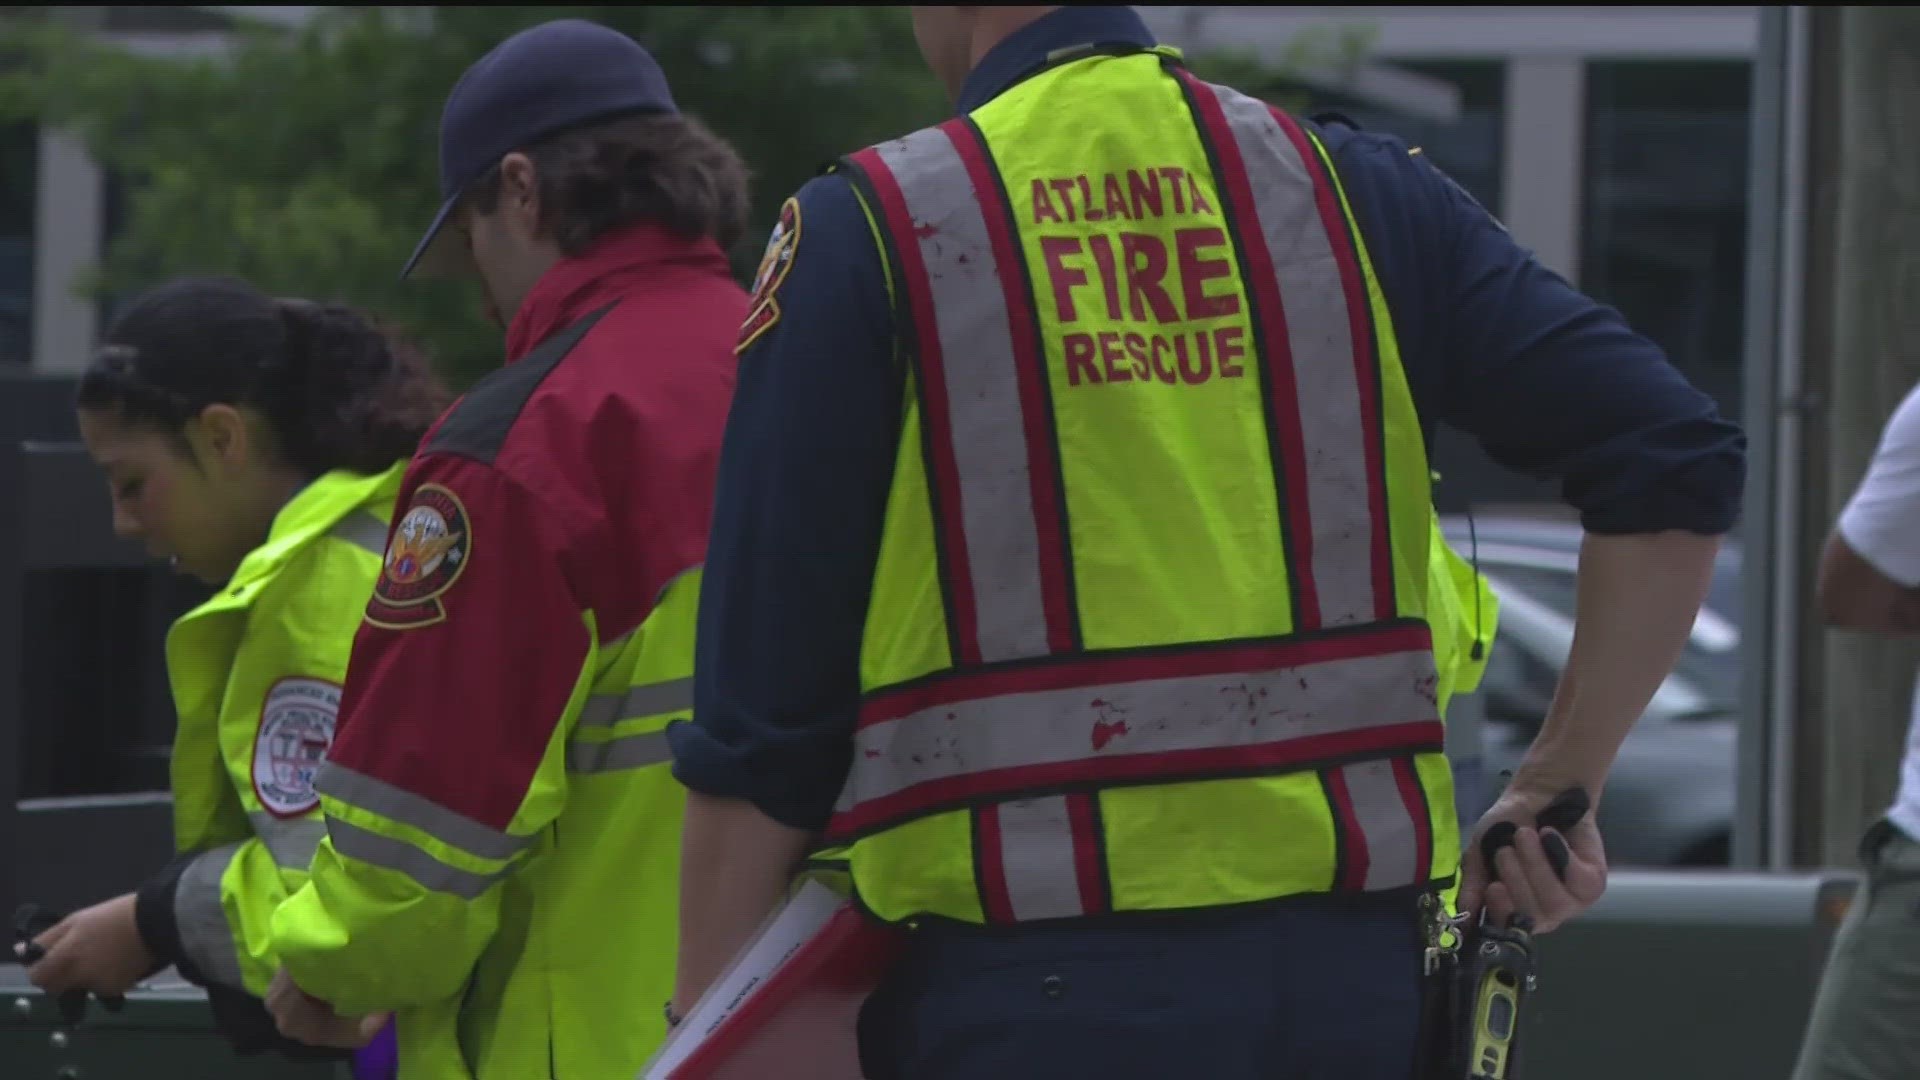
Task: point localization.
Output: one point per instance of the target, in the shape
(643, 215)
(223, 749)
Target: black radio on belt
(1477, 988)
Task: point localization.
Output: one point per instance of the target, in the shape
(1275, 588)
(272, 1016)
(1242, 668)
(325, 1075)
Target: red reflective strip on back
(1168, 767)
(1063, 674)
(945, 470)
(1089, 856)
(1276, 359)
(1350, 838)
(1043, 469)
(1365, 363)
(1415, 801)
(996, 900)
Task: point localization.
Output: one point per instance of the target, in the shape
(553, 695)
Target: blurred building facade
(1611, 140)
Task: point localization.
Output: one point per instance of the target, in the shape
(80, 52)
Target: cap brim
(440, 252)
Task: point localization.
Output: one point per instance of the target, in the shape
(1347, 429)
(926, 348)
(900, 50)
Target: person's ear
(219, 437)
(520, 190)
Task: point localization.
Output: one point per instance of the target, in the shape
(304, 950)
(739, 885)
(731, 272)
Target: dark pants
(1320, 992)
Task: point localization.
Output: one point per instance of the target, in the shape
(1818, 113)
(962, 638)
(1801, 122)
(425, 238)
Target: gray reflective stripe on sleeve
(430, 873)
(363, 529)
(201, 919)
(981, 393)
(652, 699)
(631, 752)
(1389, 833)
(292, 842)
(1332, 410)
(1290, 715)
(452, 829)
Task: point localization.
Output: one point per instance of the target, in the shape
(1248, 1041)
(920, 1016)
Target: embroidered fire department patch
(296, 729)
(430, 547)
(763, 310)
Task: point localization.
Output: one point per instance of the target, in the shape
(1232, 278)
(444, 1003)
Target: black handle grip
(1562, 814)
(29, 922)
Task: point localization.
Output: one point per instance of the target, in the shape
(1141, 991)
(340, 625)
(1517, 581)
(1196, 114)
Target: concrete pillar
(69, 221)
(1546, 130)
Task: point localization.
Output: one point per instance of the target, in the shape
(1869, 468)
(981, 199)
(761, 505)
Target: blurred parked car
(1670, 798)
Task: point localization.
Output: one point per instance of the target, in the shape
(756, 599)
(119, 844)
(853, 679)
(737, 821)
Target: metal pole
(1752, 805)
(1790, 215)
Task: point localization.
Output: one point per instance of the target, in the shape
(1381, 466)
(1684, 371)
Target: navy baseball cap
(535, 83)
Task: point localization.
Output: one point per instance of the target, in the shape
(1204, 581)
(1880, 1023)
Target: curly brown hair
(339, 390)
(607, 174)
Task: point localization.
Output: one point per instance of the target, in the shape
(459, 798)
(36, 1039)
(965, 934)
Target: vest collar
(1026, 50)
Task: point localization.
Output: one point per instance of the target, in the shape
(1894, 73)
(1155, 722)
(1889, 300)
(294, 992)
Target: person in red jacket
(549, 517)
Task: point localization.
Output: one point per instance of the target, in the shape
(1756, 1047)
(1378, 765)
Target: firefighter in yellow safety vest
(1072, 566)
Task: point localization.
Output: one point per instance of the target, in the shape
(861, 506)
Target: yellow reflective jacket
(256, 672)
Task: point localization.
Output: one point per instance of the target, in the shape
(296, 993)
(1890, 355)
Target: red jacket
(585, 484)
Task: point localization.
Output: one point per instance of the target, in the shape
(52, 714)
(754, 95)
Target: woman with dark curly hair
(258, 444)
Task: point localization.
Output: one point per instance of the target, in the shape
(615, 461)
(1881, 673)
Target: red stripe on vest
(1365, 363)
(1089, 853)
(1043, 468)
(946, 471)
(1276, 359)
(996, 900)
(1350, 838)
(1416, 803)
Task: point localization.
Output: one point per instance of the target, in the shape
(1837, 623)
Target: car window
(1710, 663)
(1516, 679)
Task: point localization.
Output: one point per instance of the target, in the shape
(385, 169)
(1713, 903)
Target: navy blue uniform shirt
(1551, 383)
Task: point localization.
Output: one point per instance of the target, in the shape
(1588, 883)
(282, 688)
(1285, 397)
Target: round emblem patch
(296, 729)
(429, 549)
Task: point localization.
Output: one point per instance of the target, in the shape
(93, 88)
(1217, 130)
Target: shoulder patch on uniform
(430, 547)
(763, 310)
(296, 730)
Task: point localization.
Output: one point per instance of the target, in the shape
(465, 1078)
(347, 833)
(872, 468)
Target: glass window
(19, 161)
(1664, 237)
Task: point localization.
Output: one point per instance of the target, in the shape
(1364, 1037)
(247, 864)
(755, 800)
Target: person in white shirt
(1866, 1019)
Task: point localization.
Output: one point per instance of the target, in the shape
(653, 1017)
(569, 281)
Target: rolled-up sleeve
(1551, 383)
(802, 492)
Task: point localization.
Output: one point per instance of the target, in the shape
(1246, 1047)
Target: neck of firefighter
(988, 27)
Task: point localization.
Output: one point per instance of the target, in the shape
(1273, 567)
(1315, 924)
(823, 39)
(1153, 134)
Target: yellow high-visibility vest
(1148, 628)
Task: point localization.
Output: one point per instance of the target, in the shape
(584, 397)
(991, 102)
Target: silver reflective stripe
(384, 851)
(631, 752)
(451, 829)
(1083, 731)
(1320, 338)
(364, 529)
(1037, 857)
(201, 918)
(652, 699)
(982, 394)
(291, 842)
(1389, 831)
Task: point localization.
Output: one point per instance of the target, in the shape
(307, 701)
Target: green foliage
(1321, 50)
(305, 160)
